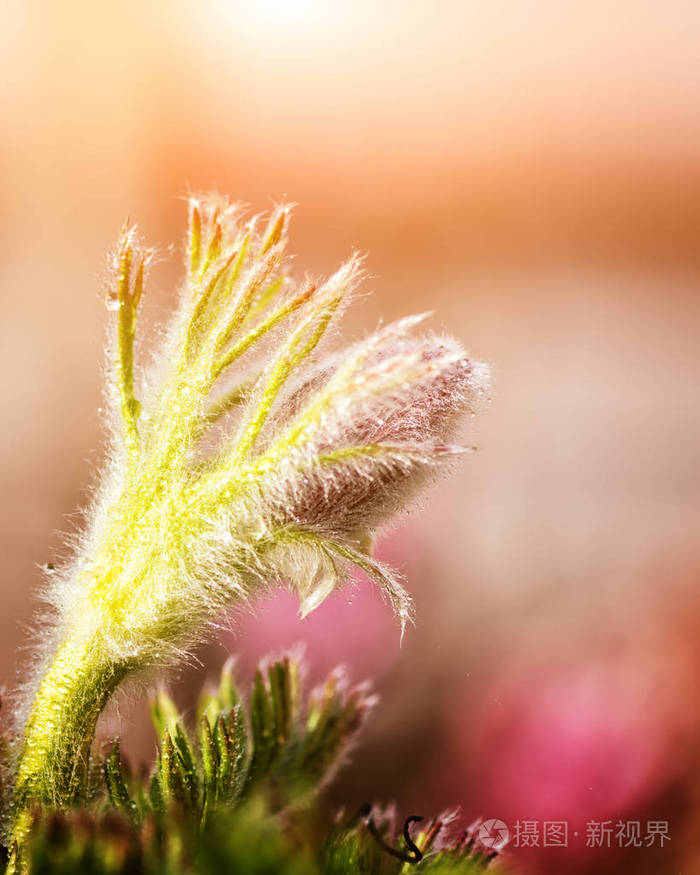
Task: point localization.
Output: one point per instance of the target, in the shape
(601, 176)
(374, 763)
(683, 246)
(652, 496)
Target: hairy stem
(53, 761)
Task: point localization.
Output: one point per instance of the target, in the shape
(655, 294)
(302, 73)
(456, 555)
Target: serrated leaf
(282, 700)
(116, 785)
(228, 694)
(157, 796)
(187, 765)
(262, 729)
(164, 713)
(171, 774)
(239, 733)
(225, 756)
(210, 766)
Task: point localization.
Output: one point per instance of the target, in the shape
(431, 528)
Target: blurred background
(529, 169)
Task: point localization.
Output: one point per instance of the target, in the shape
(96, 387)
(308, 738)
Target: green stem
(53, 763)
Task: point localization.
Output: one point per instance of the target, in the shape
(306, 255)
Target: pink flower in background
(578, 748)
(585, 743)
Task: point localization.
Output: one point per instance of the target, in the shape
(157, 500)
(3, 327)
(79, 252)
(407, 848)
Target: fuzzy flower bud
(246, 455)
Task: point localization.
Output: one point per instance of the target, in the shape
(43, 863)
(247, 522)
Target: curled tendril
(414, 854)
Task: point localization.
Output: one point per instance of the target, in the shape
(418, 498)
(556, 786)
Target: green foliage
(237, 748)
(239, 793)
(247, 840)
(365, 848)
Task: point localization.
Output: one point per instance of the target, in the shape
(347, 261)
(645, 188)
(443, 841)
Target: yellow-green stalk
(247, 454)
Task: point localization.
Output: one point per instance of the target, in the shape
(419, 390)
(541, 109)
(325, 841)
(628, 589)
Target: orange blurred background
(531, 171)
